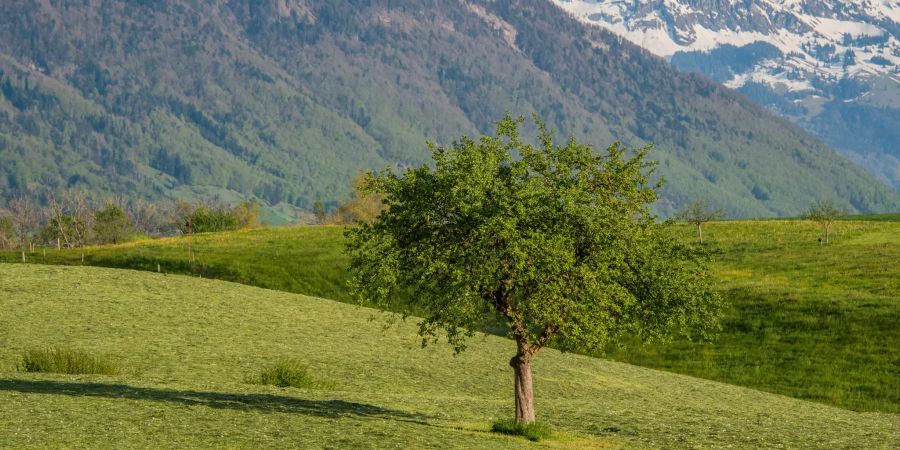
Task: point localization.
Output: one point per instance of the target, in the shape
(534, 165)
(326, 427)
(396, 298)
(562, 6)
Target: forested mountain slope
(286, 99)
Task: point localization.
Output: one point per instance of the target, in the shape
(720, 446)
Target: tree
(70, 218)
(362, 206)
(559, 244)
(59, 224)
(698, 213)
(319, 212)
(24, 218)
(209, 219)
(825, 212)
(149, 218)
(82, 209)
(7, 232)
(183, 219)
(246, 213)
(113, 225)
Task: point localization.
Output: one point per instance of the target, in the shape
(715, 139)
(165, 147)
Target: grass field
(813, 321)
(807, 320)
(185, 345)
(306, 260)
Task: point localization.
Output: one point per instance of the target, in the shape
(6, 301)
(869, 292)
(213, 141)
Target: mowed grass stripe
(191, 342)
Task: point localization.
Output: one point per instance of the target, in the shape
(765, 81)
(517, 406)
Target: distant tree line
(72, 219)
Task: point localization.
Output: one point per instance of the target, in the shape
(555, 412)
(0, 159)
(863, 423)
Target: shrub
(287, 373)
(211, 219)
(67, 361)
(534, 431)
(246, 214)
(112, 225)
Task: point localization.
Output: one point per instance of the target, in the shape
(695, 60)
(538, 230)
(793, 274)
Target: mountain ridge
(831, 67)
(286, 100)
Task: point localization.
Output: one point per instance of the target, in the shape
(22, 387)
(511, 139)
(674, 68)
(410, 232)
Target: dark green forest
(285, 100)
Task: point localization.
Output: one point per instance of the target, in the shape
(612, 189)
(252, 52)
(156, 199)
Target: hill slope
(805, 320)
(286, 99)
(189, 342)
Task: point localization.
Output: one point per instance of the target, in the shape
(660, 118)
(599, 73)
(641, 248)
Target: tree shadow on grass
(332, 409)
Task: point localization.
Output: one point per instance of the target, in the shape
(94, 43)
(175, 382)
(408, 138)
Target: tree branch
(546, 335)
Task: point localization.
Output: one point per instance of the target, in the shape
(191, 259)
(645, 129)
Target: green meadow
(185, 349)
(806, 320)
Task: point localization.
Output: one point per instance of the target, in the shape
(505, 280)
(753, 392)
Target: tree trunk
(700, 232)
(826, 234)
(521, 364)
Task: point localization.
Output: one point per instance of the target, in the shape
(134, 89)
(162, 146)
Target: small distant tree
(7, 232)
(24, 215)
(246, 214)
(183, 218)
(82, 210)
(208, 219)
(112, 225)
(319, 212)
(556, 241)
(825, 212)
(60, 225)
(362, 206)
(149, 217)
(698, 213)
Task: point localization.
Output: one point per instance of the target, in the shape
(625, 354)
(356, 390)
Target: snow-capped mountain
(831, 66)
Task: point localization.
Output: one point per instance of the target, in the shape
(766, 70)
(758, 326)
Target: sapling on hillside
(698, 213)
(825, 212)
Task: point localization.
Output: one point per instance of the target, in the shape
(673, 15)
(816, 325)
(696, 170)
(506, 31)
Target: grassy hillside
(805, 320)
(287, 100)
(808, 320)
(186, 344)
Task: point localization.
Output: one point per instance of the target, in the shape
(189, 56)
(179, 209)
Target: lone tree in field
(556, 241)
(825, 212)
(698, 213)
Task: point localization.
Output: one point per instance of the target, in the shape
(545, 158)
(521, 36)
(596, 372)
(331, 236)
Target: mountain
(831, 67)
(287, 99)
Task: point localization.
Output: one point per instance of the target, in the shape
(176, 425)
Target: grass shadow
(332, 409)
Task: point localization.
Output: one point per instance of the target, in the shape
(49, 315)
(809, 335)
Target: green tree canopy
(113, 225)
(557, 241)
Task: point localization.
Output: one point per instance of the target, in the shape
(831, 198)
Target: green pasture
(184, 347)
(807, 320)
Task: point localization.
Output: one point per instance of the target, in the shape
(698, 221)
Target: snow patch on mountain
(818, 38)
(830, 66)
